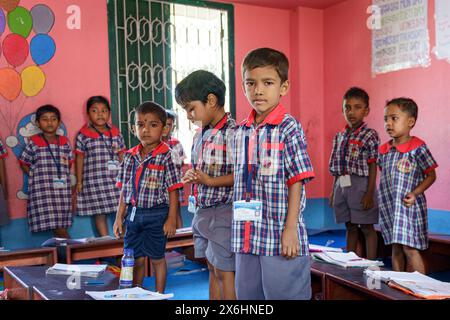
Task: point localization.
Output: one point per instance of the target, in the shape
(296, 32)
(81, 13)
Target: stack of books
(174, 259)
(414, 283)
(345, 259)
(84, 270)
(53, 242)
(318, 248)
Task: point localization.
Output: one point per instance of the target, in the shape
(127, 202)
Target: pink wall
(79, 69)
(348, 62)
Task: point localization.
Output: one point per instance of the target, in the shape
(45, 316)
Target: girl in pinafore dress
(99, 152)
(47, 159)
(407, 170)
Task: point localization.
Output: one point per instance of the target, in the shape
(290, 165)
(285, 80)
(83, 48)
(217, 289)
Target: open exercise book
(84, 270)
(344, 259)
(128, 294)
(52, 242)
(414, 283)
(318, 248)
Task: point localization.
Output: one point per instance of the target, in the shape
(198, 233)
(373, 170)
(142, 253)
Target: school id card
(113, 165)
(59, 183)
(345, 181)
(247, 210)
(192, 205)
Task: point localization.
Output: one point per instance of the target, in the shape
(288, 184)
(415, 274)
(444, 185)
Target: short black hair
(47, 108)
(197, 86)
(406, 105)
(358, 93)
(171, 114)
(154, 108)
(97, 99)
(264, 57)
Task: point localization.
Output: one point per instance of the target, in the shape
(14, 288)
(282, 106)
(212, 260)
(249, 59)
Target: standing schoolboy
(353, 166)
(202, 95)
(99, 151)
(271, 167)
(407, 170)
(4, 216)
(149, 183)
(47, 159)
(178, 154)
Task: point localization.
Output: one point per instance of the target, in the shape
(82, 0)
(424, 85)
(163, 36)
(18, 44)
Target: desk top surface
(55, 287)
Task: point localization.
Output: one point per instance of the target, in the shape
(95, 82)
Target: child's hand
(170, 227)
(189, 176)
(118, 228)
(289, 243)
(409, 200)
(367, 201)
(331, 199)
(202, 178)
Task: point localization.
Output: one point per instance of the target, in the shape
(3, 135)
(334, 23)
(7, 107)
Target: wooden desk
(40, 286)
(32, 257)
(340, 283)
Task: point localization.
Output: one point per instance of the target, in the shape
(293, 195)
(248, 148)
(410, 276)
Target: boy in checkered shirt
(99, 151)
(353, 166)
(407, 170)
(4, 216)
(178, 154)
(271, 167)
(46, 160)
(149, 183)
(202, 95)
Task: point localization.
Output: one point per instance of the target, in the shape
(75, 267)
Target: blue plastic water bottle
(126, 273)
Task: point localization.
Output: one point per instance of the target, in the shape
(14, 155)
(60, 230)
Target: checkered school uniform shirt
(161, 175)
(3, 152)
(213, 155)
(403, 168)
(353, 151)
(277, 150)
(48, 208)
(178, 154)
(99, 194)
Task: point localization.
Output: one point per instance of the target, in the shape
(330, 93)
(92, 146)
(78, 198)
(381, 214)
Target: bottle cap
(128, 252)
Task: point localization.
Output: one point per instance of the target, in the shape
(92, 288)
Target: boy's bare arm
(121, 210)
(410, 198)
(331, 199)
(222, 181)
(367, 200)
(289, 238)
(170, 226)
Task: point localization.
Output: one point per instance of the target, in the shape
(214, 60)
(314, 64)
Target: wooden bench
(31, 257)
(436, 257)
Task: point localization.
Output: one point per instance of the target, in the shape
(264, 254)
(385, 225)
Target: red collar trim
(358, 130)
(94, 135)
(412, 144)
(40, 142)
(173, 142)
(275, 117)
(160, 149)
(219, 125)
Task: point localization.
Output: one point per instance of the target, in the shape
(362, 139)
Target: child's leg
(160, 267)
(352, 236)
(139, 271)
(226, 284)
(101, 225)
(414, 259)
(398, 257)
(371, 240)
(214, 288)
(61, 233)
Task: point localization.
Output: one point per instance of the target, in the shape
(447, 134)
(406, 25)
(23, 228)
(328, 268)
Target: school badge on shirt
(152, 182)
(404, 165)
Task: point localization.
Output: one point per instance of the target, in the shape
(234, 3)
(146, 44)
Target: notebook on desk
(52, 242)
(84, 270)
(345, 259)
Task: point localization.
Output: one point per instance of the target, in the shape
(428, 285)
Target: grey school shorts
(272, 277)
(347, 203)
(212, 236)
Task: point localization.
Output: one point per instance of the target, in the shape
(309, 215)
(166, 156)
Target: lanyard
(55, 159)
(110, 148)
(137, 191)
(249, 168)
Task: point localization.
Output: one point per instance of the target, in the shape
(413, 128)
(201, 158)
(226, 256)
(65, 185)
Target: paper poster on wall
(442, 19)
(403, 40)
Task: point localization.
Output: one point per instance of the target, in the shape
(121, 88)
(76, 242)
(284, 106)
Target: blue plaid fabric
(161, 176)
(353, 151)
(213, 155)
(48, 208)
(99, 194)
(277, 150)
(3, 152)
(403, 168)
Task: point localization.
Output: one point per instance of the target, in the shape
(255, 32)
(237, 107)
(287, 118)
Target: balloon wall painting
(24, 34)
